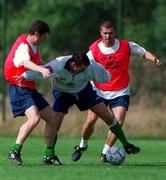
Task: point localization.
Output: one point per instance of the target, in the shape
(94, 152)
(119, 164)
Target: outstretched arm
(136, 49)
(52, 67)
(29, 75)
(34, 67)
(148, 55)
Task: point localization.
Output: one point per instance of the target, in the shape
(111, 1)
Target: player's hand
(157, 61)
(19, 78)
(46, 72)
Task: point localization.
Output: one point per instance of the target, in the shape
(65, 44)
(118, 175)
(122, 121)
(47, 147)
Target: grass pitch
(150, 164)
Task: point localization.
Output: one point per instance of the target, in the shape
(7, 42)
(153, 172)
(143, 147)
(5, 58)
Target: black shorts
(84, 99)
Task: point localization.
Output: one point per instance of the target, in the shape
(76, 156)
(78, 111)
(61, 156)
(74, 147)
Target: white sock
(83, 143)
(106, 147)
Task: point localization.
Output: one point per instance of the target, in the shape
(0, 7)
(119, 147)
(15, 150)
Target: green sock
(17, 147)
(117, 130)
(49, 151)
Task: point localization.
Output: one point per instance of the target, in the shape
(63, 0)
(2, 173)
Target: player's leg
(102, 111)
(87, 131)
(88, 128)
(53, 122)
(33, 118)
(119, 107)
(86, 99)
(119, 113)
(62, 102)
(23, 104)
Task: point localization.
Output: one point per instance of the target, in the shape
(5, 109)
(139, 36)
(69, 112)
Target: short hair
(80, 58)
(107, 24)
(38, 26)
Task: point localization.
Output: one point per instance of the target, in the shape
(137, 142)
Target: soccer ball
(115, 155)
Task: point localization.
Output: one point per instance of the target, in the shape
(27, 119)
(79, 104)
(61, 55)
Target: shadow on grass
(152, 164)
(88, 164)
(134, 164)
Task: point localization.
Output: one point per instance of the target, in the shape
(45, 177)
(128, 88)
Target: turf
(150, 164)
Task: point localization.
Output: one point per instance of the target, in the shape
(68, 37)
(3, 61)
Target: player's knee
(120, 120)
(90, 123)
(112, 122)
(34, 121)
(91, 120)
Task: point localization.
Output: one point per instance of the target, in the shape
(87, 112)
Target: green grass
(150, 164)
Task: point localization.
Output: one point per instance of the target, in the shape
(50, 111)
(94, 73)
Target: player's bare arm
(34, 67)
(150, 56)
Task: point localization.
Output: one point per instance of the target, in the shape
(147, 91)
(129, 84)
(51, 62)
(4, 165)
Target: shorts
(118, 101)
(84, 99)
(22, 98)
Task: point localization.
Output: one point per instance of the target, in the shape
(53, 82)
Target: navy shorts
(84, 99)
(23, 98)
(119, 101)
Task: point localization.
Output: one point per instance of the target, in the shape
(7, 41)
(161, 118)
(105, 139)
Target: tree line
(75, 24)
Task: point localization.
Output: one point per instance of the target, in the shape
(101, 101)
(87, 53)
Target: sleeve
(90, 55)
(98, 72)
(21, 55)
(33, 75)
(137, 49)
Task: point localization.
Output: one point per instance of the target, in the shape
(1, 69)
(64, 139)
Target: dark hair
(80, 58)
(107, 24)
(38, 26)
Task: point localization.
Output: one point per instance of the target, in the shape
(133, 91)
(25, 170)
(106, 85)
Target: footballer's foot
(51, 160)
(15, 157)
(78, 152)
(103, 158)
(131, 149)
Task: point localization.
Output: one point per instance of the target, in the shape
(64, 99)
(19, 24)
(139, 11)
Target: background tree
(75, 24)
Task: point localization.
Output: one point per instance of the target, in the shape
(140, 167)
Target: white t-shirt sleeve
(90, 55)
(98, 72)
(137, 49)
(21, 55)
